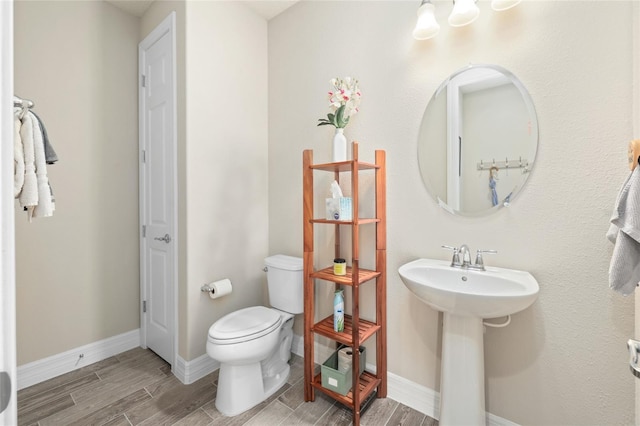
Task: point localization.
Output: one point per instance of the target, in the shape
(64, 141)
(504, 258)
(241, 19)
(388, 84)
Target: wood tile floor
(137, 388)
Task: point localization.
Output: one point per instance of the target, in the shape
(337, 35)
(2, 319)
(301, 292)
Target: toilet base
(241, 387)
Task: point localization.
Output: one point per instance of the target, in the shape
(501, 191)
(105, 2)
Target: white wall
(77, 272)
(511, 139)
(563, 361)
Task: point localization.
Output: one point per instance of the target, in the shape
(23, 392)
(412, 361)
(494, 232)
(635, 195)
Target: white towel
(45, 206)
(624, 270)
(29, 195)
(18, 158)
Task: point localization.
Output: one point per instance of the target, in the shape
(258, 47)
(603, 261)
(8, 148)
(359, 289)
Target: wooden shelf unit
(356, 330)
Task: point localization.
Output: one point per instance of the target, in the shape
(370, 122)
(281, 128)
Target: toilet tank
(285, 283)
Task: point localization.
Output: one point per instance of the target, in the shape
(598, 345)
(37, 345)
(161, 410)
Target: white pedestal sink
(466, 297)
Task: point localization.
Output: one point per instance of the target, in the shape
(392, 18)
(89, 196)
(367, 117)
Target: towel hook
(493, 172)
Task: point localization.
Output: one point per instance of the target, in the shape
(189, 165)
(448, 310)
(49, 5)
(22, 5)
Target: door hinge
(144, 156)
(144, 306)
(144, 231)
(143, 80)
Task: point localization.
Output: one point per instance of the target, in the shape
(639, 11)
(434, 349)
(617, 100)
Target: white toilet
(253, 345)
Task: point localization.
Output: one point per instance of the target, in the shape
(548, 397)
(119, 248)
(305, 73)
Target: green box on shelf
(336, 380)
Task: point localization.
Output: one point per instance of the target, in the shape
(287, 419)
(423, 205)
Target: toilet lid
(244, 324)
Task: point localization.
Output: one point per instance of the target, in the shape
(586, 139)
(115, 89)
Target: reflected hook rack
(520, 163)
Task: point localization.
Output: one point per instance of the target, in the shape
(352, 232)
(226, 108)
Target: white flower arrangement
(343, 102)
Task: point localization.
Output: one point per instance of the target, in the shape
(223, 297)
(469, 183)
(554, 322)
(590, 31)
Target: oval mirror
(478, 140)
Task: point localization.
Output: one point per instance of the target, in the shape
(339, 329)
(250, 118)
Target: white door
(158, 264)
(8, 382)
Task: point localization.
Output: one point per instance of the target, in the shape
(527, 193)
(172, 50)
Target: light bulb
(426, 26)
(500, 5)
(464, 12)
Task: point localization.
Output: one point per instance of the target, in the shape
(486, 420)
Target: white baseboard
(418, 397)
(190, 371)
(53, 366)
(494, 420)
(411, 394)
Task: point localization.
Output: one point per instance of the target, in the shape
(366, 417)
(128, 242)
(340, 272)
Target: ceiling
(270, 8)
(265, 8)
(134, 7)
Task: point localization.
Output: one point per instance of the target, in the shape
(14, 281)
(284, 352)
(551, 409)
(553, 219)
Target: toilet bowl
(253, 345)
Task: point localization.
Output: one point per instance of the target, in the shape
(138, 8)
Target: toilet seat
(244, 325)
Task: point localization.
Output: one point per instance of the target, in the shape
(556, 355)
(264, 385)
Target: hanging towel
(44, 208)
(49, 153)
(624, 232)
(18, 158)
(494, 194)
(29, 195)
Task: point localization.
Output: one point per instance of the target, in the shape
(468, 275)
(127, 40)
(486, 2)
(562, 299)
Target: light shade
(500, 5)
(464, 12)
(427, 26)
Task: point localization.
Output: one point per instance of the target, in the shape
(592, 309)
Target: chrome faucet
(464, 253)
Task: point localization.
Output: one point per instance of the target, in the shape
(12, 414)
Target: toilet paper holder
(218, 288)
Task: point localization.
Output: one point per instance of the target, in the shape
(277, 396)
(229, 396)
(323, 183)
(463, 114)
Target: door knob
(634, 351)
(5, 390)
(166, 238)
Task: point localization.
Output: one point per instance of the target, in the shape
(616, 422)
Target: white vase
(339, 146)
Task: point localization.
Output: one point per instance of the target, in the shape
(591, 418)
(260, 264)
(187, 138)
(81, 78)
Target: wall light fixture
(464, 12)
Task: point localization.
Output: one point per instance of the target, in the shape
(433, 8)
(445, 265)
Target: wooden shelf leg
(381, 265)
(309, 302)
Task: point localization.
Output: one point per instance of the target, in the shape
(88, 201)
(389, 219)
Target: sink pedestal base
(462, 375)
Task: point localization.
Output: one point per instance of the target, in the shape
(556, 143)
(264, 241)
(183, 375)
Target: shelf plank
(368, 383)
(328, 275)
(325, 328)
(343, 166)
(361, 221)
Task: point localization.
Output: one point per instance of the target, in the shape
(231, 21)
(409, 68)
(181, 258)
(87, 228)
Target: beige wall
(563, 361)
(222, 136)
(77, 272)
(226, 161)
(88, 99)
